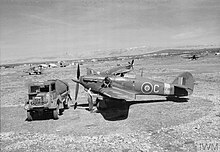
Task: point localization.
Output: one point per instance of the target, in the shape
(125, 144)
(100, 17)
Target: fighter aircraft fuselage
(137, 85)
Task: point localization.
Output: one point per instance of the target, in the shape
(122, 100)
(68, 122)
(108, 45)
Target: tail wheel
(55, 114)
(29, 116)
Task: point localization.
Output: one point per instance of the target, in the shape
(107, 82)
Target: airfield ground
(148, 124)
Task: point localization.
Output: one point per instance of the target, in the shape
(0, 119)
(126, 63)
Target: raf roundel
(146, 88)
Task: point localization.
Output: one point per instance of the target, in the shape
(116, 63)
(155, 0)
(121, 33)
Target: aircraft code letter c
(156, 88)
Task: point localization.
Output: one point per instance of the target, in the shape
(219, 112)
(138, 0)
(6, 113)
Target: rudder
(185, 80)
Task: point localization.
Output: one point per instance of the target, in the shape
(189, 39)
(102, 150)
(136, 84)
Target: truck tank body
(61, 86)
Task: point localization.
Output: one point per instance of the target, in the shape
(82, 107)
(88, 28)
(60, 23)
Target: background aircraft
(34, 70)
(119, 70)
(194, 56)
(124, 88)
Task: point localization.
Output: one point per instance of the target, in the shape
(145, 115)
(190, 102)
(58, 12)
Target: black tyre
(101, 105)
(61, 111)
(55, 114)
(29, 116)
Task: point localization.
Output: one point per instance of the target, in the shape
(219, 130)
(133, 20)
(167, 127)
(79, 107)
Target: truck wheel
(29, 116)
(55, 114)
(61, 111)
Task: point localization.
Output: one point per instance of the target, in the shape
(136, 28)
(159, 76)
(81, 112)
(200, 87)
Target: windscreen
(35, 88)
(44, 88)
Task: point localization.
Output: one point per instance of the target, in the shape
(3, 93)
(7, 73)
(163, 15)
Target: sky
(40, 28)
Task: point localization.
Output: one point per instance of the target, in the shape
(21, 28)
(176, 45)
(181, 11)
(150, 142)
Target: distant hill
(193, 50)
(133, 51)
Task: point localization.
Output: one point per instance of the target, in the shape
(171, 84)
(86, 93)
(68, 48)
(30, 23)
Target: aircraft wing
(122, 71)
(117, 93)
(187, 57)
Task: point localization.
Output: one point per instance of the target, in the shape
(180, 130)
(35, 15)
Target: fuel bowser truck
(51, 96)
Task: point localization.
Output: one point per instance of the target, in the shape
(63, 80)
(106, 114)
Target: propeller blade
(76, 90)
(77, 82)
(78, 72)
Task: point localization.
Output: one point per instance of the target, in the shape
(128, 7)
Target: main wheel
(55, 114)
(29, 116)
(101, 105)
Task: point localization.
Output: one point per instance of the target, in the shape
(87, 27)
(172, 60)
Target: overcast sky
(41, 27)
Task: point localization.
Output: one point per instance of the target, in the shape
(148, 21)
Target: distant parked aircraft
(34, 70)
(52, 65)
(43, 66)
(192, 56)
(119, 70)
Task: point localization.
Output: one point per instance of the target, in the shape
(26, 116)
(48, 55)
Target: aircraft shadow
(116, 110)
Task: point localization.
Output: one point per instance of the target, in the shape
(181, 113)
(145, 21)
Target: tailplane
(184, 84)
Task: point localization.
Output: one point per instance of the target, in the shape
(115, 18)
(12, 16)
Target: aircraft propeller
(78, 72)
(77, 84)
(77, 90)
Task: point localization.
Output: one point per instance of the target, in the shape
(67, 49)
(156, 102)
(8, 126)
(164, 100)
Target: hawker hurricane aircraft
(127, 88)
(194, 56)
(119, 70)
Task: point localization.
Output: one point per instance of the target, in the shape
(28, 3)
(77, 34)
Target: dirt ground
(149, 123)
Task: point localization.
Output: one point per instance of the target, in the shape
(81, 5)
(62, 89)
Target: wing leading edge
(117, 93)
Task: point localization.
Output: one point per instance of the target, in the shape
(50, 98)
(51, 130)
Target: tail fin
(186, 81)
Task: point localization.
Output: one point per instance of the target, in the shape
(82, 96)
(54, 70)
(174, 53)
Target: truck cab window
(44, 88)
(52, 86)
(34, 89)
